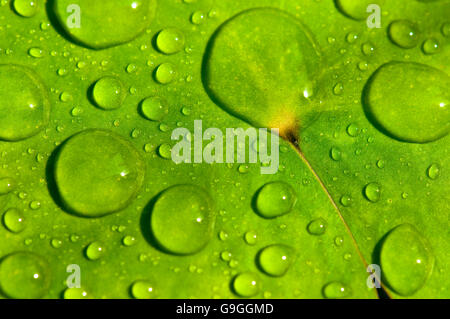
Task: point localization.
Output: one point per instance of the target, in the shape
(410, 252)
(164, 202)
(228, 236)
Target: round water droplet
(372, 191)
(317, 227)
(170, 41)
(404, 33)
(198, 17)
(445, 29)
(357, 10)
(346, 200)
(109, 93)
(24, 103)
(24, 275)
(26, 8)
(353, 130)
(246, 284)
(433, 171)
(165, 151)
(165, 73)
(7, 184)
(406, 260)
(154, 108)
(276, 64)
(95, 250)
(275, 260)
(250, 237)
(414, 106)
(335, 290)
(182, 219)
(275, 199)
(14, 220)
(56, 243)
(76, 293)
(142, 289)
(335, 154)
(109, 23)
(129, 241)
(97, 173)
(431, 46)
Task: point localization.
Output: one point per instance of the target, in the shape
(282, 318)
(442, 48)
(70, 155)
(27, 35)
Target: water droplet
(250, 237)
(14, 220)
(24, 103)
(445, 29)
(107, 24)
(346, 200)
(170, 41)
(95, 250)
(165, 151)
(381, 163)
(367, 48)
(154, 108)
(406, 260)
(275, 199)
(24, 275)
(338, 241)
(404, 33)
(269, 93)
(26, 8)
(275, 260)
(372, 191)
(165, 73)
(335, 154)
(433, 171)
(317, 227)
(97, 173)
(76, 293)
(35, 205)
(225, 255)
(338, 89)
(143, 289)
(356, 10)
(335, 290)
(353, 130)
(198, 17)
(246, 284)
(414, 106)
(182, 219)
(36, 52)
(56, 243)
(7, 184)
(109, 93)
(431, 46)
(129, 241)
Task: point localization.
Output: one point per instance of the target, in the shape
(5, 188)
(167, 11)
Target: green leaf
(362, 177)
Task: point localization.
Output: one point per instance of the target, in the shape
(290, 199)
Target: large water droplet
(275, 199)
(182, 219)
(98, 172)
(275, 260)
(7, 184)
(317, 227)
(109, 93)
(372, 191)
(433, 171)
(76, 293)
(275, 63)
(246, 284)
(24, 103)
(24, 275)
(143, 289)
(154, 108)
(14, 220)
(170, 41)
(95, 250)
(404, 33)
(406, 260)
(356, 10)
(104, 24)
(413, 107)
(335, 290)
(26, 8)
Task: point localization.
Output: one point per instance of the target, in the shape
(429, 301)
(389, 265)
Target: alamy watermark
(374, 20)
(191, 149)
(74, 279)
